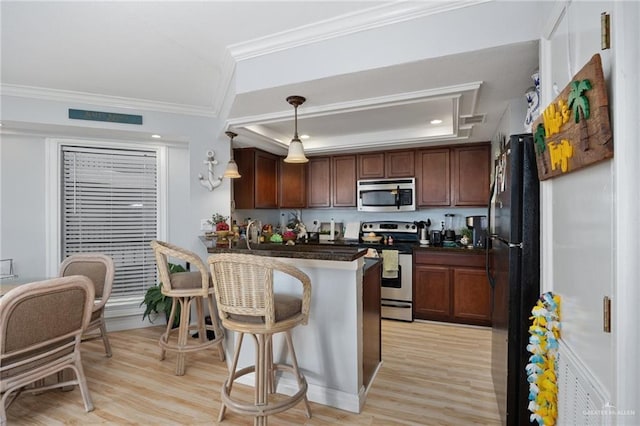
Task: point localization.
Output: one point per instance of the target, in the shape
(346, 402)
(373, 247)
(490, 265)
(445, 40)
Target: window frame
(119, 306)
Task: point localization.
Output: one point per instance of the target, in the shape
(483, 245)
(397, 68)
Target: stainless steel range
(397, 288)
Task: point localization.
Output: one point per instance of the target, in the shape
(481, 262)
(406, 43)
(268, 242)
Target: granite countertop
(332, 251)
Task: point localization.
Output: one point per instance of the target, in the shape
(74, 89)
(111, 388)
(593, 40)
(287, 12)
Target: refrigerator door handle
(507, 243)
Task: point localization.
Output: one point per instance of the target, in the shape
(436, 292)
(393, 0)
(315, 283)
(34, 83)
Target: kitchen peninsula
(339, 350)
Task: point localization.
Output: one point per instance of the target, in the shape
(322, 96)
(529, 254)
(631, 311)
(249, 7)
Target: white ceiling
(179, 56)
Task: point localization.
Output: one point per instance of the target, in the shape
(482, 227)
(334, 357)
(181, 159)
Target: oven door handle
(403, 305)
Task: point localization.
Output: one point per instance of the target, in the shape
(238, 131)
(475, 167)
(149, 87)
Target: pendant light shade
(296, 150)
(232, 168)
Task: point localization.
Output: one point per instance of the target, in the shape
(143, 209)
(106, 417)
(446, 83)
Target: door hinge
(605, 31)
(606, 314)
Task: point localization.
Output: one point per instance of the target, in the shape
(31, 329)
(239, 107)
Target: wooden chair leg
(105, 338)
(272, 371)
(82, 384)
(294, 364)
(261, 377)
(215, 323)
(201, 325)
(174, 302)
(232, 371)
(183, 333)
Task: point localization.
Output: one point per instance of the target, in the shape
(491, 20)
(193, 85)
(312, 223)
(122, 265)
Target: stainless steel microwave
(387, 195)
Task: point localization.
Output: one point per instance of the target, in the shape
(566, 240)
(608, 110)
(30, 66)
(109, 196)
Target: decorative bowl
(368, 239)
(222, 234)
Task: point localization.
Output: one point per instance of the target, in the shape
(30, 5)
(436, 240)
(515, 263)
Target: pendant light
(296, 151)
(232, 168)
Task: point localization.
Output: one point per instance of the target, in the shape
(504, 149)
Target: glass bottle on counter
(236, 230)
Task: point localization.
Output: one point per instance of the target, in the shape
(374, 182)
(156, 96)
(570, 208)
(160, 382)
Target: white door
(581, 236)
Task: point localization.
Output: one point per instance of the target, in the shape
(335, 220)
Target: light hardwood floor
(433, 374)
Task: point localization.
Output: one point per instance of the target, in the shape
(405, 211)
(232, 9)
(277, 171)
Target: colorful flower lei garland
(542, 367)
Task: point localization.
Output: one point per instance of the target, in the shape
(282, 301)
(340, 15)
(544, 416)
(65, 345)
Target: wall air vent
(470, 120)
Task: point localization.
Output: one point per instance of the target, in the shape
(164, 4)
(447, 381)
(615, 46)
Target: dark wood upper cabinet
(319, 182)
(293, 185)
(391, 164)
(445, 176)
(371, 166)
(433, 177)
(399, 164)
(470, 175)
(243, 187)
(344, 180)
(266, 180)
(258, 186)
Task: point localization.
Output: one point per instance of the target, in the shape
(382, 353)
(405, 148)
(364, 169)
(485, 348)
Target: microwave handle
(398, 197)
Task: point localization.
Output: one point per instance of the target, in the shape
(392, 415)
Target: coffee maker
(478, 226)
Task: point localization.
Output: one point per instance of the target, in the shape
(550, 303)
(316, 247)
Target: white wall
(502, 23)
(625, 90)
(23, 166)
(29, 123)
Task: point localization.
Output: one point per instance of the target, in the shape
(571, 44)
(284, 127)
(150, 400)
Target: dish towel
(389, 263)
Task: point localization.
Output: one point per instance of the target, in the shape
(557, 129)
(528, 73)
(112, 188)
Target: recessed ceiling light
(304, 136)
(156, 136)
(436, 121)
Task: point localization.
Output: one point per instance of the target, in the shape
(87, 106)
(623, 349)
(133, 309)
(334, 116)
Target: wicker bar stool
(186, 288)
(247, 304)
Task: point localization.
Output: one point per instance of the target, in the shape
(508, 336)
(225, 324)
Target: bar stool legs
(183, 345)
(264, 369)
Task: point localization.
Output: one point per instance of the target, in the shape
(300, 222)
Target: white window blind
(110, 205)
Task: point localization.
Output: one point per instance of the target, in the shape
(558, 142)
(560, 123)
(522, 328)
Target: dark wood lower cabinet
(432, 292)
(451, 286)
(371, 329)
(472, 296)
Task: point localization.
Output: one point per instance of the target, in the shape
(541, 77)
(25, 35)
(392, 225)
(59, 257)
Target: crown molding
(454, 91)
(112, 101)
(350, 23)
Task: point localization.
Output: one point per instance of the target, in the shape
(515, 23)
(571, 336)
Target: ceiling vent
(470, 120)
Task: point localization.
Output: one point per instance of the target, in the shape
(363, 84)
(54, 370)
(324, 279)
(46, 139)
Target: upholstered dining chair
(247, 304)
(41, 326)
(100, 269)
(186, 288)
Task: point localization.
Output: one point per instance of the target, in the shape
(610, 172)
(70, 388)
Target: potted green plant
(157, 303)
(219, 221)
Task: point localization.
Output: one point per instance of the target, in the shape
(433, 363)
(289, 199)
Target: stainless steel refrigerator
(513, 268)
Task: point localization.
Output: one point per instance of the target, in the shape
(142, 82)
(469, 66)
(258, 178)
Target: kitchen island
(338, 351)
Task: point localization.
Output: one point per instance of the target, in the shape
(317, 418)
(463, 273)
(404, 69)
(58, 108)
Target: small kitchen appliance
(449, 232)
(386, 195)
(478, 227)
(423, 227)
(396, 292)
(436, 238)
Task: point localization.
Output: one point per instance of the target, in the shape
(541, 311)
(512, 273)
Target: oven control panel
(390, 227)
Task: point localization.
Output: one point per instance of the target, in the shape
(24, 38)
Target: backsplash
(308, 216)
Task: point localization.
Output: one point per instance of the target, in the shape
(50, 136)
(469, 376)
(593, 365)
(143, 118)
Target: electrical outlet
(205, 225)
